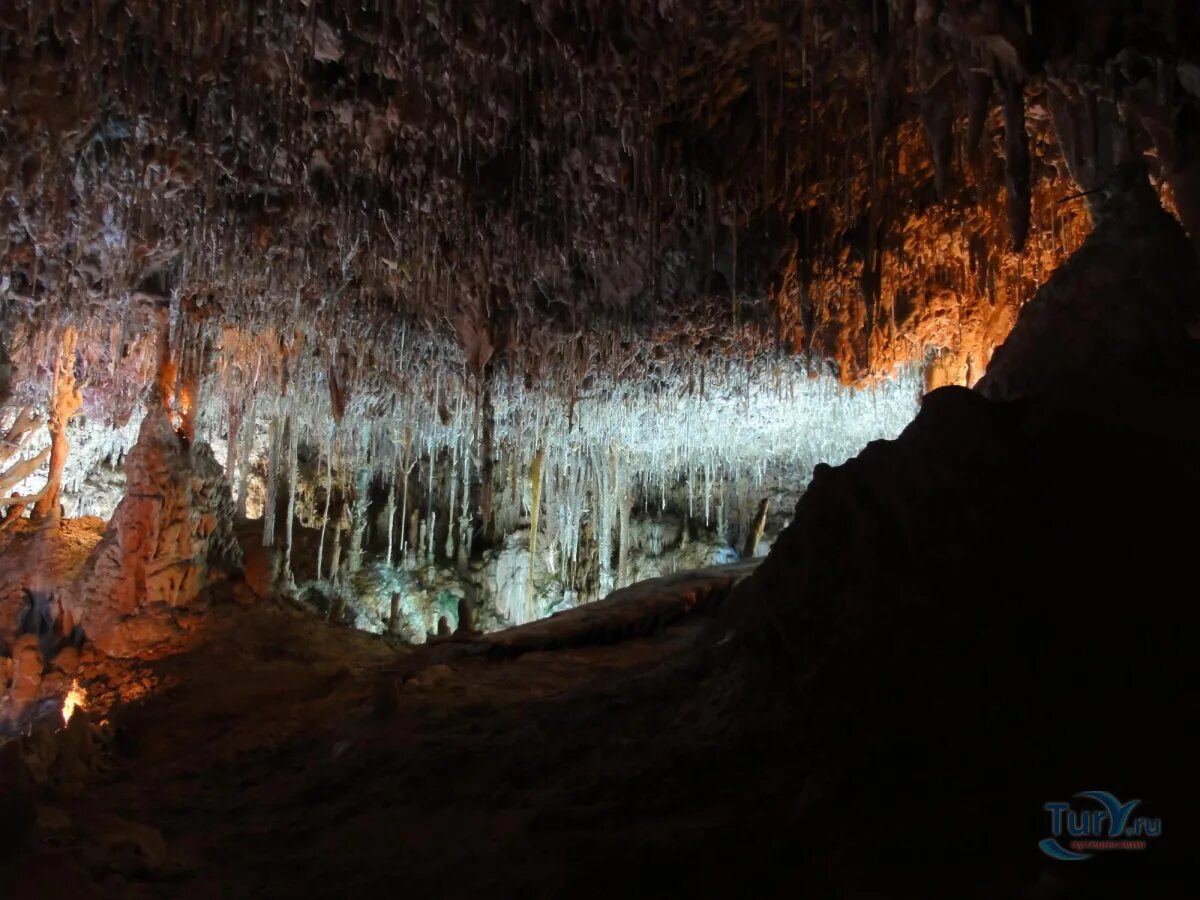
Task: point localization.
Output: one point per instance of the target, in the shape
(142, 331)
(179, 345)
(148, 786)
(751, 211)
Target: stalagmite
(231, 447)
(66, 398)
(393, 622)
(486, 462)
(358, 527)
(337, 609)
(328, 498)
(757, 524)
(335, 549)
(389, 512)
(12, 508)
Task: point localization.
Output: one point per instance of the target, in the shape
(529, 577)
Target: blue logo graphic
(1110, 827)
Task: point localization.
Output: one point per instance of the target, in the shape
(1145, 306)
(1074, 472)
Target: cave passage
(497, 448)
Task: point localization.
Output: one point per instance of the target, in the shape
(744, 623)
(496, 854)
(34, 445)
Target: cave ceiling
(556, 188)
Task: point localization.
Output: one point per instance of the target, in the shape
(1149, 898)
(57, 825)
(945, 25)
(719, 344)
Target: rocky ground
(285, 756)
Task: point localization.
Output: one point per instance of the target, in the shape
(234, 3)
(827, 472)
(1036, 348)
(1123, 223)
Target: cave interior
(585, 448)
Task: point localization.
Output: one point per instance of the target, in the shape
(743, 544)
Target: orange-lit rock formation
(169, 539)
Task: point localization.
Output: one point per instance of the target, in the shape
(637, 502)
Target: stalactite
(188, 398)
(721, 526)
(166, 370)
(605, 473)
(708, 485)
(486, 462)
(938, 114)
(335, 550)
(293, 428)
(414, 531)
(430, 512)
(274, 437)
(1017, 162)
(358, 525)
(691, 493)
(535, 505)
(464, 520)
(406, 474)
(249, 430)
(231, 447)
(979, 93)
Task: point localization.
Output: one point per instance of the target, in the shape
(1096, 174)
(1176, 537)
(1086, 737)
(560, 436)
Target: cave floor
(286, 757)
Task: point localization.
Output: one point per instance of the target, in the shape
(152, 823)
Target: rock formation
(490, 308)
(1126, 302)
(168, 541)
